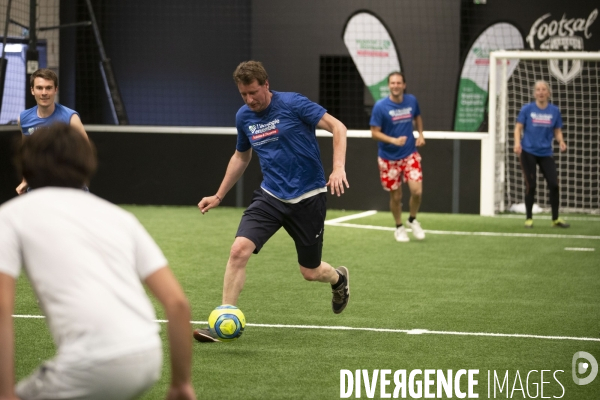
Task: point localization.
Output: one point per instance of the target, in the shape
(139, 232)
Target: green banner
(473, 87)
(469, 116)
(380, 89)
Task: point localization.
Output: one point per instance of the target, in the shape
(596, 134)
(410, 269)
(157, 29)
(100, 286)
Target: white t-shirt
(85, 258)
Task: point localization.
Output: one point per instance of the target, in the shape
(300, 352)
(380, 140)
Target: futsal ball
(227, 322)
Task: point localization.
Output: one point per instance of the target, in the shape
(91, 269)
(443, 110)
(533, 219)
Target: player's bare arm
(169, 293)
(235, 169)
(76, 123)
(377, 134)
(419, 125)
(558, 135)
(7, 374)
(22, 188)
(337, 179)
(517, 137)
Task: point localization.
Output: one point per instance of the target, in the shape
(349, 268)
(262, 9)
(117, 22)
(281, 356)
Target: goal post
(574, 78)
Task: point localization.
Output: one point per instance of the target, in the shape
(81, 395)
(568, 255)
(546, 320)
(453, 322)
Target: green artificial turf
(470, 275)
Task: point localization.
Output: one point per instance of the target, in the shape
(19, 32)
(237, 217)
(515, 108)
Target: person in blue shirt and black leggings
(538, 124)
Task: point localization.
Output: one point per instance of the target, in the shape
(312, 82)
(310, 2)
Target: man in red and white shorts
(392, 126)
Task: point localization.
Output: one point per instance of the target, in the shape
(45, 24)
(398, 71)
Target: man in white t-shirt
(86, 260)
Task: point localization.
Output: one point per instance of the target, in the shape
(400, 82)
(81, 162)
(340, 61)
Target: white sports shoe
(417, 231)
(400, 234)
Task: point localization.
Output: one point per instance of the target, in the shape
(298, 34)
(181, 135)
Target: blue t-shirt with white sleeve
(395, 120)
(538, 128)
(30, 121)
(283, 136)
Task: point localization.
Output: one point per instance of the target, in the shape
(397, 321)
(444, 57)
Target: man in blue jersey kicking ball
(280, 128)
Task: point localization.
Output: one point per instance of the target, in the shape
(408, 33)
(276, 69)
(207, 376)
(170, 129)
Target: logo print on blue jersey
(401, 114)
(252, 128)
(540, 118)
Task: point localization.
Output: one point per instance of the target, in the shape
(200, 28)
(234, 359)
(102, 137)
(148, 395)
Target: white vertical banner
(372, 50)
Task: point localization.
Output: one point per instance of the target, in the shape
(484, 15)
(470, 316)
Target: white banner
(372, 51)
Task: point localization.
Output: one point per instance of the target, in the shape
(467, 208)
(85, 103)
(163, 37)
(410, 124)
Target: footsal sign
(564, 70)
(372, 51)
(474, 78)
(566, 34)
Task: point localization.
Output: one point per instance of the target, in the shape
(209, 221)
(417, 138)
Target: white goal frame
(488, 144)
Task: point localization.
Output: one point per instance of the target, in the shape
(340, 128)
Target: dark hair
(44, 73)
(56, 155)
(249, 71)
(396, 73)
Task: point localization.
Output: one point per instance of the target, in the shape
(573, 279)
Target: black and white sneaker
(341, 295)
(205, 336)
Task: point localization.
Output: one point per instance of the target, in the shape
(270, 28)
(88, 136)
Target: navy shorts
(303, 221)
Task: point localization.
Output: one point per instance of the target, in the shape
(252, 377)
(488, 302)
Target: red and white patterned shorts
(392, 171)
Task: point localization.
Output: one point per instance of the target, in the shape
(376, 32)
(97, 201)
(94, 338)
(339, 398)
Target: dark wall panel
(8, 176)
(366, 192)
(172, 60)
(166, 169)
(175, 59)
(180, 169)
(426, 33)
(470, 175)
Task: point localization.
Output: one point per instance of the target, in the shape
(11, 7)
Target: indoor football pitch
(509, 306)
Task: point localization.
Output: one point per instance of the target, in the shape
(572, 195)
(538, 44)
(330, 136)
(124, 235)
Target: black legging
(548, 168)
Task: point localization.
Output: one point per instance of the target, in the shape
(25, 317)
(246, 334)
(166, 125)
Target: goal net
(574, 78)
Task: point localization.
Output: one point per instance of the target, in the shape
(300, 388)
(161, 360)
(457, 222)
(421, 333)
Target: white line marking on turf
(548, 217)
(349, 217)
(538, 235)
(407, 331)
(580, 249)
(423, 331)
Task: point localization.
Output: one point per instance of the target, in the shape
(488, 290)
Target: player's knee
(240, 251)
(531, 188)
(310, 274)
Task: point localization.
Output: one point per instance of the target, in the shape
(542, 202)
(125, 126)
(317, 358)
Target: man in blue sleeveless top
(280, 128)
(44, 87)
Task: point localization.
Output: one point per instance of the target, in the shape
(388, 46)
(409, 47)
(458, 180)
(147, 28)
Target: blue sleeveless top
(30, 121)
